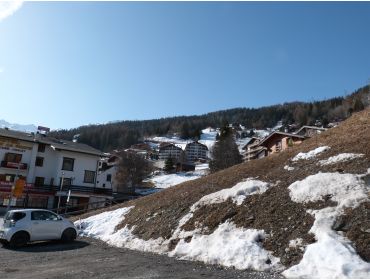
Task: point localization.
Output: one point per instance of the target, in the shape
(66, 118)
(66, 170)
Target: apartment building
(195, 151)
(52, 168)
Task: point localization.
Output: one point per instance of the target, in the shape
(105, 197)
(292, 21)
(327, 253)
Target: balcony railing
(14, 165)
(73, 188)
(6, 186)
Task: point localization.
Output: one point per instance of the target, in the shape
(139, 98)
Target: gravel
(90, 258)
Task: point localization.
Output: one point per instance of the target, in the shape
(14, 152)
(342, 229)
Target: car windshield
(14, 216)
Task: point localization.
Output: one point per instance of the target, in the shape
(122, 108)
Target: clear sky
(65, 64)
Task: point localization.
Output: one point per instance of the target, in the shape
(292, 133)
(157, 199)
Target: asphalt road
(90, 258)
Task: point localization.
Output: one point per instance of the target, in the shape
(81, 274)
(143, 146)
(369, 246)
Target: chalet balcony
(14, 165)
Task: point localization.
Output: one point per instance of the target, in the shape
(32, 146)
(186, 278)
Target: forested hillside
(107, 137)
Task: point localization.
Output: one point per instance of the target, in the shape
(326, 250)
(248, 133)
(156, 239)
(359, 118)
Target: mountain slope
(123, 134)
(18, 127)
(258, 201)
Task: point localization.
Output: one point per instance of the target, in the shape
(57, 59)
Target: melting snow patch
(289, 168)
(102, 226)
(237, 193)
(310, 154)
(228, 246)
(340, 158)
(332, 256)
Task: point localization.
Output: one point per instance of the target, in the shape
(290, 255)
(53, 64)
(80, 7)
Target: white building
(169, 150)
(195, 151)
(44, 162)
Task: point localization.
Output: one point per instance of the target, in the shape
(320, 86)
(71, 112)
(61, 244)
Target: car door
(45, 225)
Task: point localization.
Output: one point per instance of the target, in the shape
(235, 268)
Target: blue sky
(65, 64)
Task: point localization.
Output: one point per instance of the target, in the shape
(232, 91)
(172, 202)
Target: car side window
(43, 216)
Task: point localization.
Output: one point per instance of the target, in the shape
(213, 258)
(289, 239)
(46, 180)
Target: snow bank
(228, 246)
(332, 256)
(340, 158)
(346, 189)
(310, 154)
(103, 227)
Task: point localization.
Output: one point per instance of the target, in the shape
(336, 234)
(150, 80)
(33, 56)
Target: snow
(311, 154)
(202, 166)
(289, 168)
(332, 256)
(208, 137)
(339, 186)
(260, 133)
(298, 242)
(102, 226)
(237, 193)
(241, 143)
(163, 180)
(228, 246)
(18, 127)
(340, 158)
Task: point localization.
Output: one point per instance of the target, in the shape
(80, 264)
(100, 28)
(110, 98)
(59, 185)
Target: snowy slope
(164, 180)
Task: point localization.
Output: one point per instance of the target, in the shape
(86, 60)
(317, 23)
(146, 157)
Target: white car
(26, 225)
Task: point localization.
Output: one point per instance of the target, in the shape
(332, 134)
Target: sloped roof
(281, 133)
(197, 143)
(310, 127)
(56, 143)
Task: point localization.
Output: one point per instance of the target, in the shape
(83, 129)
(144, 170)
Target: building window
(109, 177)
(68, 164)
(41, 148)
(10, 157)
(39, 181)
(39, 161)
(89, 177)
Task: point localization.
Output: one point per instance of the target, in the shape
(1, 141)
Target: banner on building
(19, 187)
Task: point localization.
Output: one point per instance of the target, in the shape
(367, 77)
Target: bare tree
(132, 169)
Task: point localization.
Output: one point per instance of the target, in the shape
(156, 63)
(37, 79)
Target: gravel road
(90, 258)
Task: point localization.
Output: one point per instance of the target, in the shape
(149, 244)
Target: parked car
(26, 225)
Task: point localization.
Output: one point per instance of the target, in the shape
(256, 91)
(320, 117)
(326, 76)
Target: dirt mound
(282, 219)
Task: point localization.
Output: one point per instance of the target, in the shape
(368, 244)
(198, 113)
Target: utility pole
(60, 192)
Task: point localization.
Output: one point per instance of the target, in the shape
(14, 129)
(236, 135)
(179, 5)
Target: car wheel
(69, 235)
(19, 239)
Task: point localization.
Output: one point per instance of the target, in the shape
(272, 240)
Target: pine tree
(225, 152)
(168, 165)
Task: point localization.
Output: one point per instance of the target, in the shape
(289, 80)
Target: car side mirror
(60, 218)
